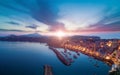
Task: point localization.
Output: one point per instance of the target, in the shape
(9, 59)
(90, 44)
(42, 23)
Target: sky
(48, 16)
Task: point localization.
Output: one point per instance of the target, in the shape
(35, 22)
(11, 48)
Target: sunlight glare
(60, 34)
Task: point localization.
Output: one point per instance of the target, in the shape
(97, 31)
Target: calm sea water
(24, 58)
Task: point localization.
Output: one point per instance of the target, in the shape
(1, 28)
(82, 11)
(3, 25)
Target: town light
(109, 43)
(107, 57)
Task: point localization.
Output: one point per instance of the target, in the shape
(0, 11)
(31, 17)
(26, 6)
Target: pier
(60, 57)
(48, 70)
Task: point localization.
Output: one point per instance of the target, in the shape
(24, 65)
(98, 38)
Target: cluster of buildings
(105, 49)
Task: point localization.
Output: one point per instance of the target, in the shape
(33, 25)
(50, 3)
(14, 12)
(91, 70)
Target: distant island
(35, 37)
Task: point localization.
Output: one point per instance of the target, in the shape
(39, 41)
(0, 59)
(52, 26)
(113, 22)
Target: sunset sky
(70, 16)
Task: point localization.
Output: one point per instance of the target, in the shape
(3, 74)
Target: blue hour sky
(45, 16)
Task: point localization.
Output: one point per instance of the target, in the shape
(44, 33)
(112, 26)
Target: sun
(60, 34)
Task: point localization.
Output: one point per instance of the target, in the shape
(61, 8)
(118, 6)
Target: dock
(47, 70)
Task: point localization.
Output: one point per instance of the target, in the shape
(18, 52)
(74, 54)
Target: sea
(29, 58)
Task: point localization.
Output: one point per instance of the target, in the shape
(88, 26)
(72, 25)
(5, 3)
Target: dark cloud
(12, 7)
(47, 15)
(12, 30)
(59, 26)
(43, 11)
(13, 23)
(33, 26)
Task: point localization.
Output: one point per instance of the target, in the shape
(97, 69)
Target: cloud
(12, 30)
(59, 26)
(46, 11)
(43, 11)
(33, 26)
(12, 6)
(46, 14)
(110, 22)
(16, 30)
(13, 23)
